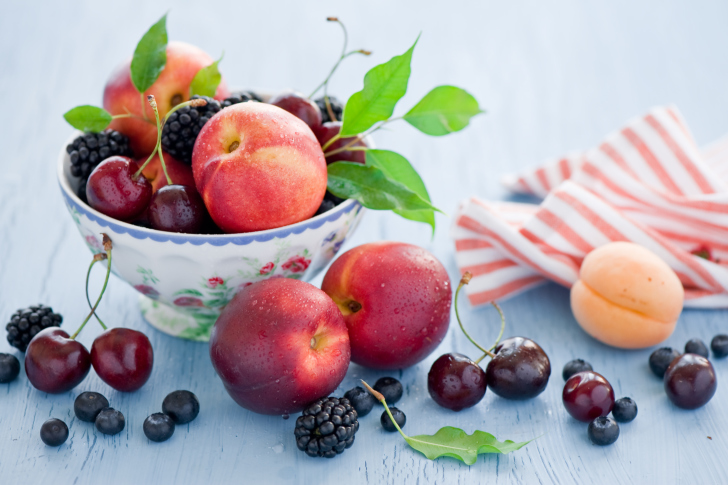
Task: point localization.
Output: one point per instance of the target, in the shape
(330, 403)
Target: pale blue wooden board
(553, 76)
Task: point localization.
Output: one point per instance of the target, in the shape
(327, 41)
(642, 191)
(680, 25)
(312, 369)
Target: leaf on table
(206, 80)
(150, 56)
(384, 85)
(456, 443)
(88, 118)
(443, 110)
(371, 186)
(399, 169)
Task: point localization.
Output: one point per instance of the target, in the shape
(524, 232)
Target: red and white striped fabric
(647, 183)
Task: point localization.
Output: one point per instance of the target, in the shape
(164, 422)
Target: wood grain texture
(553, 76)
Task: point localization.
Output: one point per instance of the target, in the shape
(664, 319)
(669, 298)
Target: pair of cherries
(117, 188)
(56, 362)
(518, 369)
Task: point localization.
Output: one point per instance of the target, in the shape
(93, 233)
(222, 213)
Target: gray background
(553, 76)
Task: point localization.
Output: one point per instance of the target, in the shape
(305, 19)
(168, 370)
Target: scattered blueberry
(574, 366)
(624, 410)
(54, 432)
(110, 421)
(697, 346)
(361, 399)
(719, 345)
(9, 368)
(181, 406)
(603, 431)
(398, 416)
(660, 360)
(88, 405)
(158, 427)
(390, 388)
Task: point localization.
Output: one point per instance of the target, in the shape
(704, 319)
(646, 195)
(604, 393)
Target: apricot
(626, 296)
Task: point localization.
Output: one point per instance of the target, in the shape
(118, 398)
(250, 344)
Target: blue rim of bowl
(241, 239)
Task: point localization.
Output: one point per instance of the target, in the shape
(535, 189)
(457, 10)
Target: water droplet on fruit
(336, 353)
(403, 328)
(262, 335)
(382, 285)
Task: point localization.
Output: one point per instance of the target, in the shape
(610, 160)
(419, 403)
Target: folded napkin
(647, 183)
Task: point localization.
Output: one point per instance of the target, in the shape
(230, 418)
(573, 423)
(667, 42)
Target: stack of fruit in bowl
(205, 191)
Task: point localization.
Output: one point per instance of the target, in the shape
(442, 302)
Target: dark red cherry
(177, 208)
(690, 381)
(588, 395)
(112, 189)
(327, 131)
(300, 106)
(122, 358)
(54, 363)
(456, 382)
(519, 370)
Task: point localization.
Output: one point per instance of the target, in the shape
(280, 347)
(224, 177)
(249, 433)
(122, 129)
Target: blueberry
(110, 421)
(574, 366)
(660, 360)
(719, 345)
(696, 346)
(88, 405)
(9, 368)
(390, 388)
(54, 432)
(398, 416)
(624, 410)
(361, 399)
(159, 427)
(603, 431)
(181, 406)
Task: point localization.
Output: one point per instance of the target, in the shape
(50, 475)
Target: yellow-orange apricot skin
(627, 296)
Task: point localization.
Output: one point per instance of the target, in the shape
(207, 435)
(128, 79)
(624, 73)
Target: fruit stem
(158, 147)
(107, 247)
(464, 281)
(379, 397)
(144, 108)
(503, 324)
(330, 142)
(97, 257)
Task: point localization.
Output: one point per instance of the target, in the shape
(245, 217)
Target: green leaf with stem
(88, 118)
(452, 442)
(372, 188)
(397, 168)
(207, 80)
(384, 86)
(443, 110)
(150, 57)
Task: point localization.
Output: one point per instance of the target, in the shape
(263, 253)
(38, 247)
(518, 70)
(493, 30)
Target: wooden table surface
(553, 76)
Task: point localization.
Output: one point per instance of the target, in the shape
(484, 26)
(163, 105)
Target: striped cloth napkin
(648, 183)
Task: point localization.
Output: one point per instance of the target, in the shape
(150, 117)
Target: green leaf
(150, 56)
(456, 443)
(88, 118)
(384, 85)
(371, 186)
(397, 168)
(206, 80)
(188, 292)
(443, 110)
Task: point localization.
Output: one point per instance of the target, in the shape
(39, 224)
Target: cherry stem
(107, 247)
(464, 281)
(379, 397)
(97, 257)
(158, 148)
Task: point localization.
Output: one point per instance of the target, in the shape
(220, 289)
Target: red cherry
(300, 106)
(113, 189)
(587, 395)
(456, 382)
(327, 131)
(177, 208)
(122, 358)
(54, 363)
(690, 381)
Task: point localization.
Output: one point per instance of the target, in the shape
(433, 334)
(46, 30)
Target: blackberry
(90, 149)
(27, 322)
(326, 427)
(390, 388)
(697, 346)
(240, 97)
(181, 129)
(336, 107)
(574, 366)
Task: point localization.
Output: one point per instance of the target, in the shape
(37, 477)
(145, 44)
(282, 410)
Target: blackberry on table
(182, 127)
(240, 97)
(336, 107)
(88, 150)
(27, 322)
(326, 427)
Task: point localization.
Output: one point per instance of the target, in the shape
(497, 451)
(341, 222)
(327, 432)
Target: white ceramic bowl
(186, 279)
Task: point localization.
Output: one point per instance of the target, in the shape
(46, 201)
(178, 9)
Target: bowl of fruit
(204, 191)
